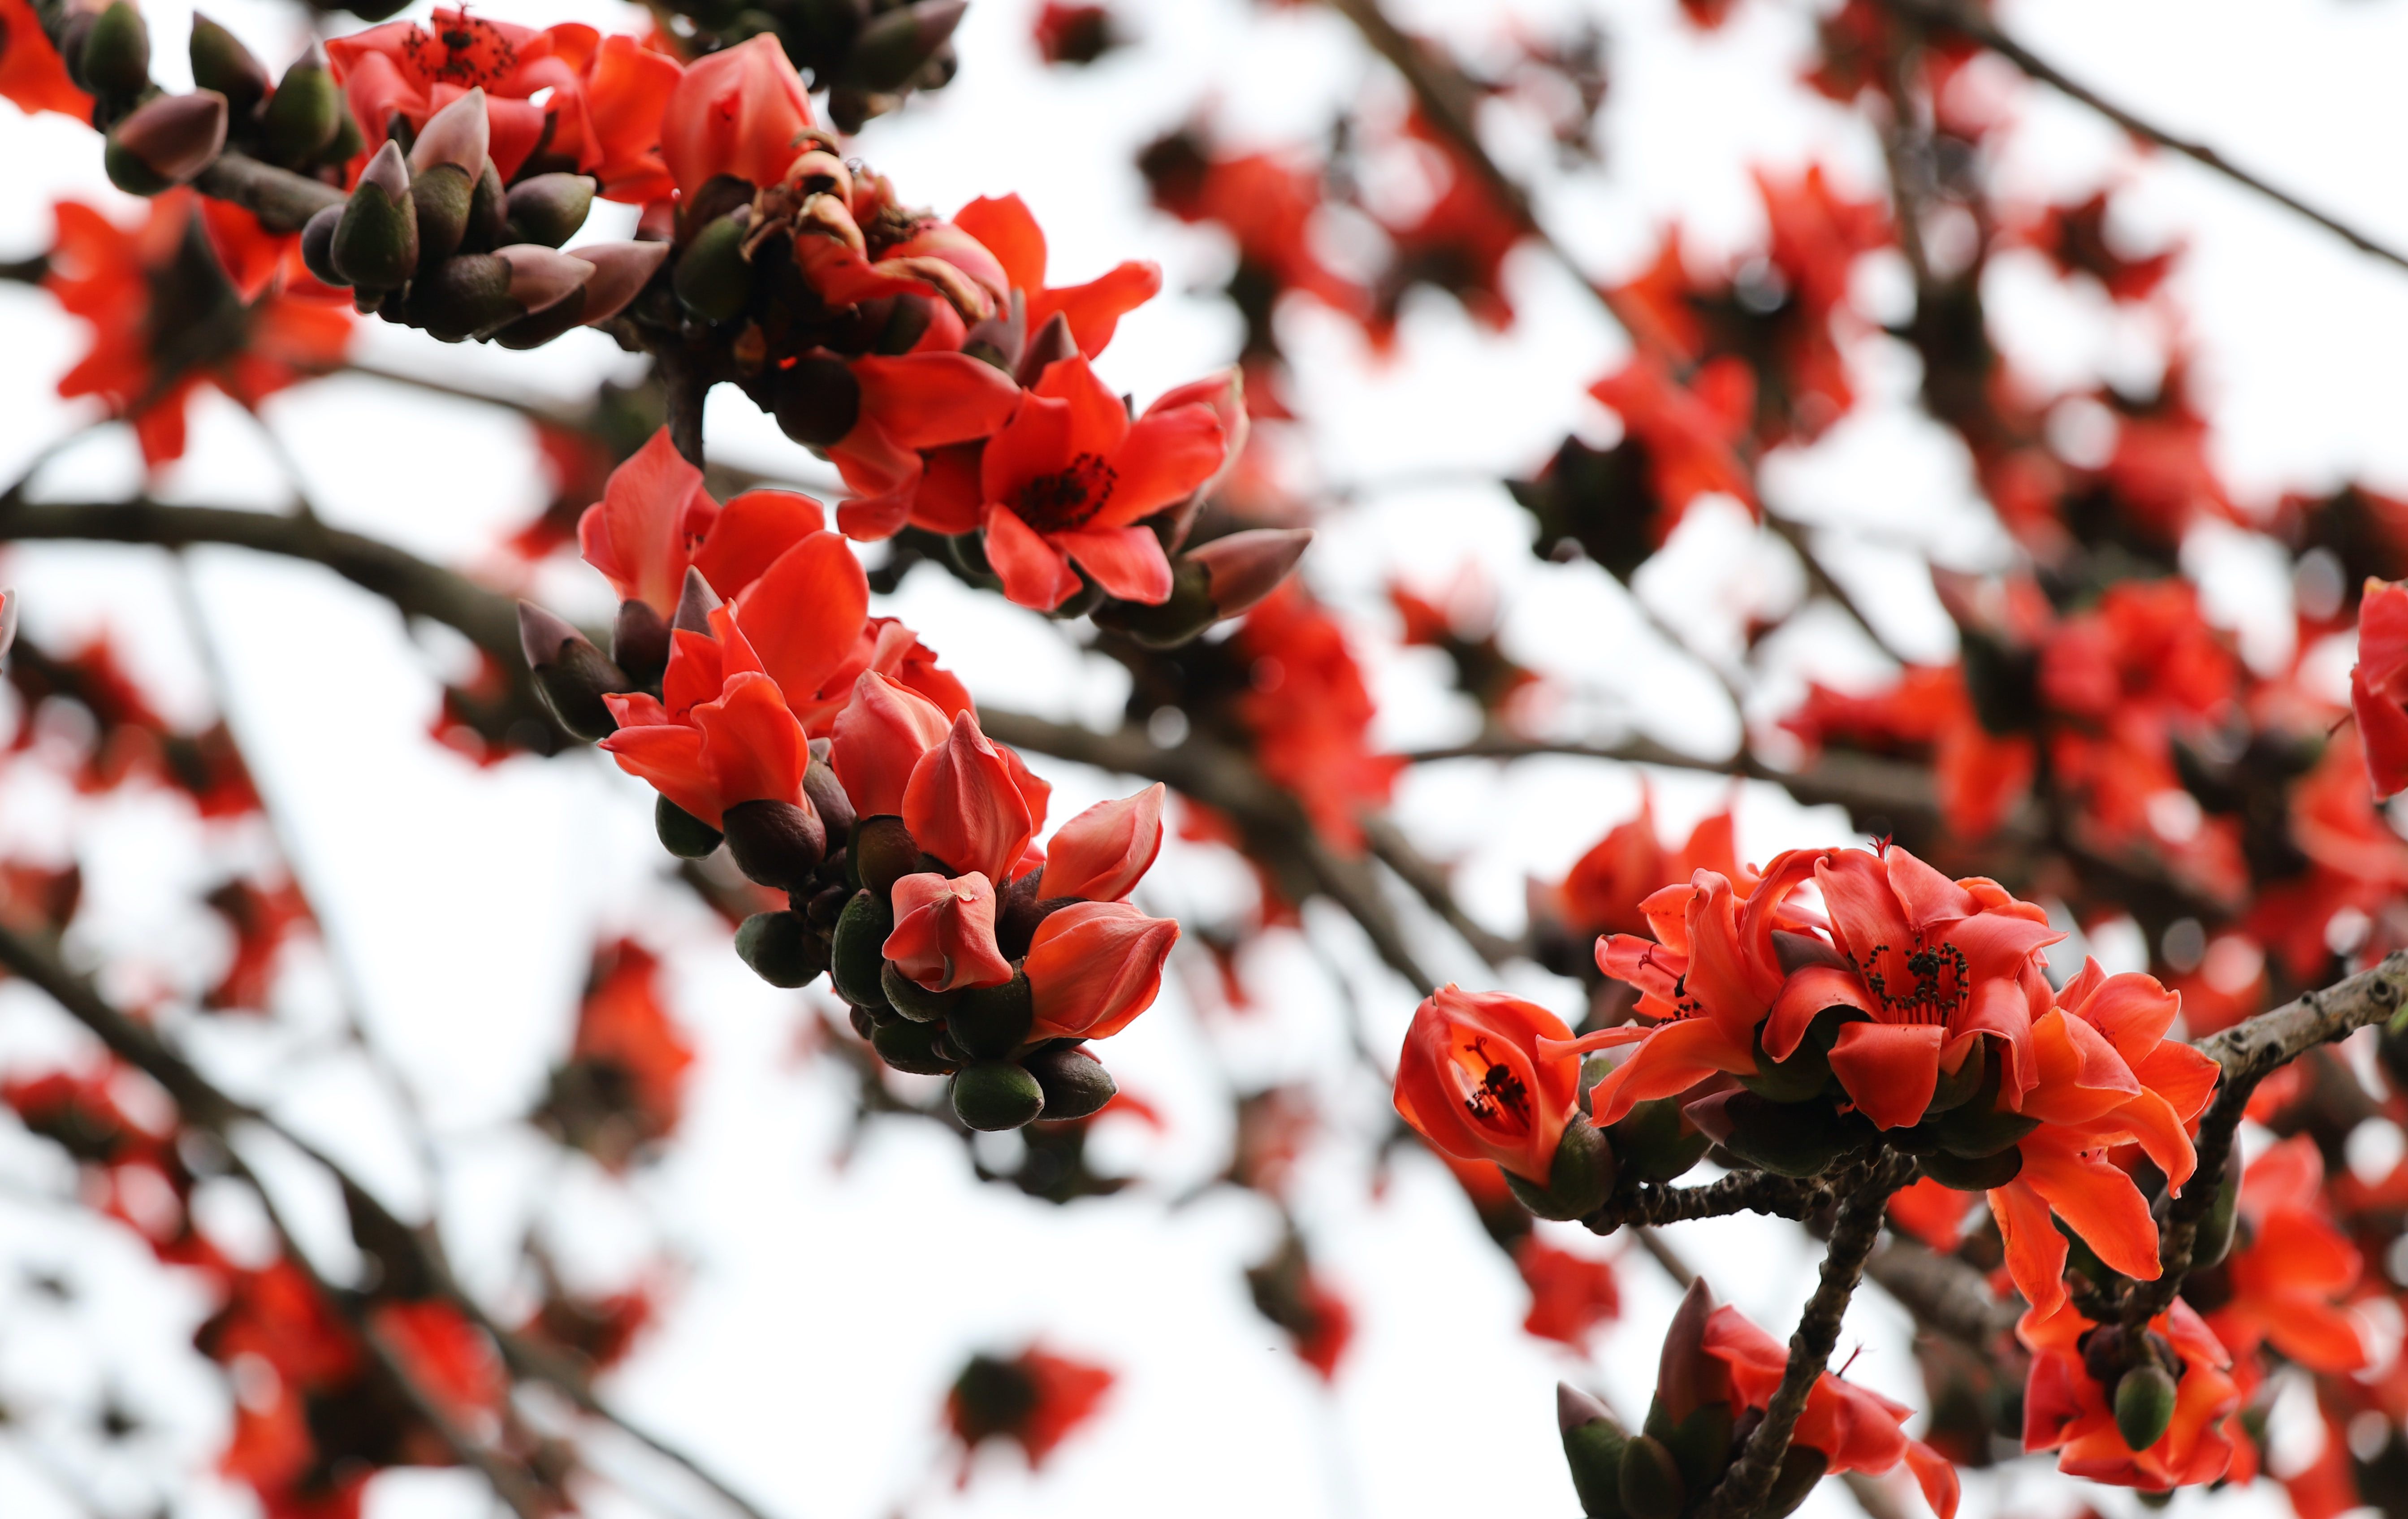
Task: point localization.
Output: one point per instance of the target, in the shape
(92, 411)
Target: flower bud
(376, 243)
(458, 135)
(1102, 854)
(1050, 345)
(817, 402)
(1802, 1468)
(894, 45)
(2144, 1405)
(782, 949)
(459, 297)
(306, 112)
(911, 999)
(682, 833)
(991, 1021)
(994, 1095)
(1580, 1179)
(1686, 1379)
(486, 219)
(1649, 1486)
(827, 797)
(1788, 1138)
(1972, 1175)
(165, 141)
(620, 272)
(911, 1047)
(2211, 1239)
(440, 198)
(697, 601)
(542, 277)
(713, 278)
(318, 246)
(855, 963)
(944, 937)
(572, 674)
(1178, 619)
(1243, 567)
(549, 208)
(1653, 1142)
(1074, 1081)
(777, 844)
(883, 853)
(222, 64)
(114, 61)
(640, 639)
(1593, 1449)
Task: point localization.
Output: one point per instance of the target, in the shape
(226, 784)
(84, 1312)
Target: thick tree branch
(1741, 1191)
(282, 200)
(1962, 19)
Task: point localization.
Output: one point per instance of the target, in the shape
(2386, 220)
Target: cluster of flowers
(1909, 1011)
(842, 767)
(1715, 1379)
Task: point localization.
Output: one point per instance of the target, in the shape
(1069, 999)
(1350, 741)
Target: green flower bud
(857, 957)
(305, 116)
(713, 278)
(318, 246)
(883, 853)
(1593, 1444)
(911, 999)
(114, 61)
(572, 675)
(910, 1047)
(994, 1095)
(221, 62)
(683, 834)
(992, 1020)
(1653, 1142)
(439, 199)
(891, 48)
(782, 949)
(1577, 1181)
(376, 243)
(458, 297)
(777, 844)
(2144, 1405)
(548, 209)
(1650, 1480)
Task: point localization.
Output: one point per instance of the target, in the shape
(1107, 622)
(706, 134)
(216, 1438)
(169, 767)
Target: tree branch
(1961, 19)
(282, 200)
(1741, 1191)
(1743, 1489)
(1944, 1294)
(1429, 881)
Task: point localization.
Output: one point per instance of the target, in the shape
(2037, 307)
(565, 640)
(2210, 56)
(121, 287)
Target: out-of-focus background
(819, 1288)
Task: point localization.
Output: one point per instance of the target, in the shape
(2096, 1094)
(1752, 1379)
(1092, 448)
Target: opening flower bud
(1580, 1179)
(542, 277)
(459, 297)
(620, 272)
(777, 844)
(548, 209)
(782, 949)
(306, 112)
(640, 639)
(697, 601)
(682, 833)
(1593, 1445)
(572, 674)
(1243, 567)
(827, 798)
(993, 1095)
(457, 136)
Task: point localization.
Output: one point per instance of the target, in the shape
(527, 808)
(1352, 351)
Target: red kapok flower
(1093, 966)
(931, 398)
(656, 519)
(1103, 852)
(2290, 1267)
(1473, 1080)
(1070, 476)
(1570, 1294)
(1092, 310)
(878, 739)
(2066, 1409)
(720, 733)
(625, 1026)
(33, 76)
(2378, 685)
(964, 804)
(740, 111)
(945, 932)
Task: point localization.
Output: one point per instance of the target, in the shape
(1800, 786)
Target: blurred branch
(1956, 16)
(203, 1103)
(281, 199)
(1429, 880)
(1944, 1294)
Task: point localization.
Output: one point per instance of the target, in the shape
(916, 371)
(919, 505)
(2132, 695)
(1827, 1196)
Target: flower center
(1067, 499)
(1500, 1097)
(466, 51)
(1926, 984)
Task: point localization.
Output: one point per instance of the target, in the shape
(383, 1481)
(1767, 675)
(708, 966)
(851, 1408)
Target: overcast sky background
(823, 1308)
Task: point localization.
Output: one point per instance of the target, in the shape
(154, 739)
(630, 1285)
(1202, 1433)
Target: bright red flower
(922, 415)
(1267, 204)
(1093, 966)
(878, 739)
(1690, 430)
(1103, 852)
(1570, 1294)
(656, 518)
(2378, 685)
(1603, 890)
(2289, 1268)
(964, 804)
(602, 115)
(945, 932)
(2066, 1410)
(1980, 776)
(33, 76)
(1070, 476)
(740, 111)
(149, 353)
(1093, 311)
(1477, 1080)
(720, 734)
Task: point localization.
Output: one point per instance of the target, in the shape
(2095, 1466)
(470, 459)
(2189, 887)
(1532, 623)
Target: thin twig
(1961, 19)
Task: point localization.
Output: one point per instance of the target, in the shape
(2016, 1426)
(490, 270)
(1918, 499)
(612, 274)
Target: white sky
(823, 1308)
